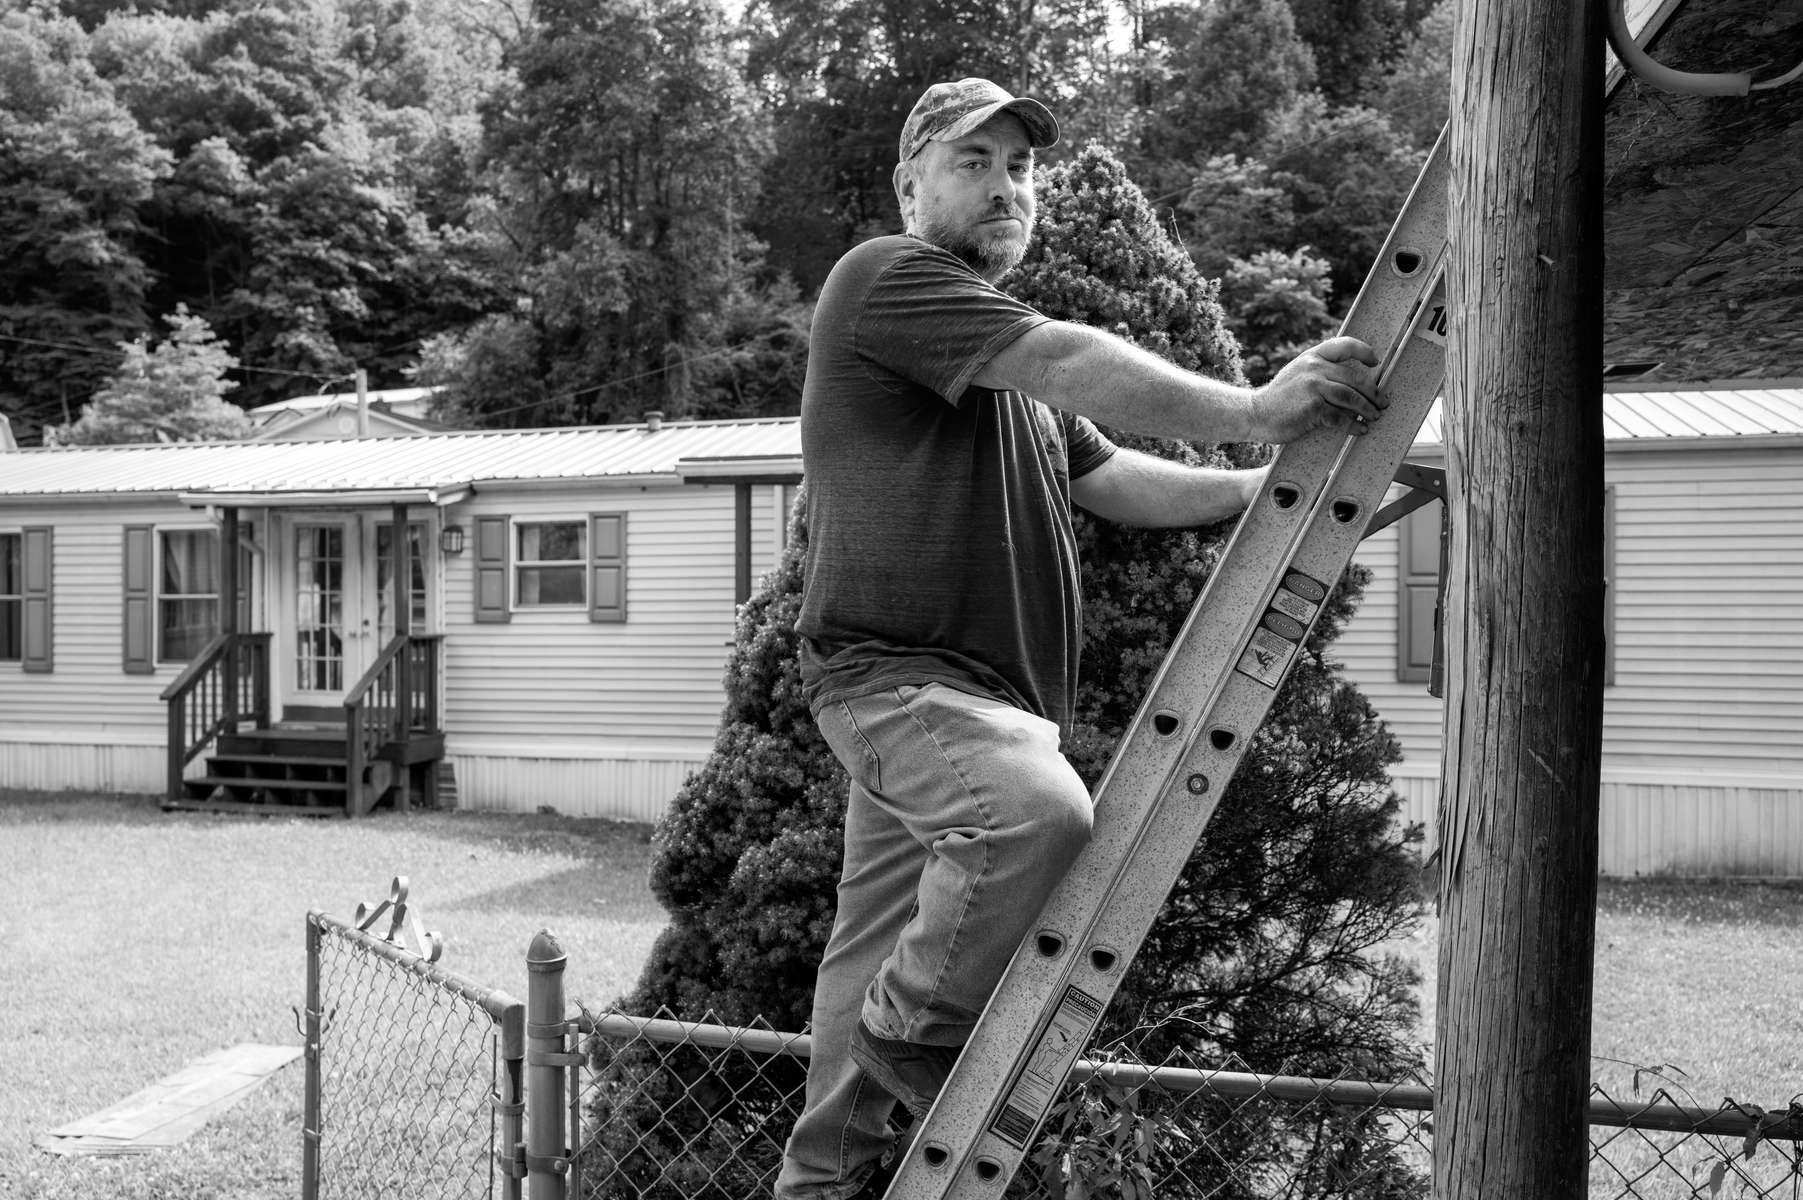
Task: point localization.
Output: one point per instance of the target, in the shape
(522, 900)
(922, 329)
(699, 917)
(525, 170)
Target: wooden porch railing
(393, 706)
(227, 682)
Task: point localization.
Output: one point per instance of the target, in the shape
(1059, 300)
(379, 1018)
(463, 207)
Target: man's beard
(991, 256)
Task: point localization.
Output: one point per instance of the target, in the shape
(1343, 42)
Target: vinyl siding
(1708, 632)
(87, 723)
(551, 708)
(628, 708)
(1665, 826)
(1702, 769)
(89, 690)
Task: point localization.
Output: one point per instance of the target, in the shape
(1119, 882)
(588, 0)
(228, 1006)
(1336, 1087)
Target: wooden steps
(296, 771)
(301, 769)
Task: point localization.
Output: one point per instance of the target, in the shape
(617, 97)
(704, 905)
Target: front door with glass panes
(342, 601)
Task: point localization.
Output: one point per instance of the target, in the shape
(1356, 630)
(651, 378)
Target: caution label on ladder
(1280, 631)
(1046, 1066)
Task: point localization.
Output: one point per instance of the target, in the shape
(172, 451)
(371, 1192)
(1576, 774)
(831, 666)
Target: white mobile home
(576, 589)
(1702, 770)
(570, 600)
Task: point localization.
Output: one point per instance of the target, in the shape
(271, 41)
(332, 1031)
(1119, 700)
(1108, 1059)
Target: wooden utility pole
(1518, 829)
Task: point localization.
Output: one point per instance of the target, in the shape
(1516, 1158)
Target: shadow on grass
(1705, 902)
(536, 833)
(511, 832)
(89, 808)
(583, 891)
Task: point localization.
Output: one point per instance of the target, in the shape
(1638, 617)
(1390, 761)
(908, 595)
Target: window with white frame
(187, 592)
(187, 600)
(559, 564)
(550, 564)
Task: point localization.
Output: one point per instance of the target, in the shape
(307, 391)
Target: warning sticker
(1267, 657)
(1293, 606)
(1280, 631)
(1283, 626)
(1037, 1080)
(1304, 586)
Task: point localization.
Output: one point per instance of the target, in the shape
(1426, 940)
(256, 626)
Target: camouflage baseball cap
(951, 110)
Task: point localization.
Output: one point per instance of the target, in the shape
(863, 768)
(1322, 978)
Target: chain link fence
(418, 1084)
(414, 1079)
(676, 1110)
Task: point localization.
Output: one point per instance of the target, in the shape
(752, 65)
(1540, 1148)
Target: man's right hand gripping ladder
(1175, 760)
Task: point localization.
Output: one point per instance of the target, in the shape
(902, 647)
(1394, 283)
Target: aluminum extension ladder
(1213, 690)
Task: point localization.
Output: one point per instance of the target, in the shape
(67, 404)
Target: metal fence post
(547, 1150)
(511, 1104)
(312, 1030)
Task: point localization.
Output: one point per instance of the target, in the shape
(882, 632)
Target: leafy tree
(1266, 949)
(1227, 66)
(841, 75)
(1416, 92)
(1347, 172)
(476, 370)
(171, 392)
(624, 156)
(1353, 41)
(756, 356)
(318, 209)
(1323, 181)
(343, 271)
(74, 167)
(1276, 306)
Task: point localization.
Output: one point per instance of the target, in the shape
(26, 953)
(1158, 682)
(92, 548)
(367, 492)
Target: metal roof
(438, 467)
(440, 463)
(1655, 416)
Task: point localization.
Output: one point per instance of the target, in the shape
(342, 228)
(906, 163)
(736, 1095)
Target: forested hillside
(571, 211)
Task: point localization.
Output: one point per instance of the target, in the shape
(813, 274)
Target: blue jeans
(962, 817)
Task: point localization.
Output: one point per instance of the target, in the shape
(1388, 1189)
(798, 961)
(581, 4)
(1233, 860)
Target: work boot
(911, 1072)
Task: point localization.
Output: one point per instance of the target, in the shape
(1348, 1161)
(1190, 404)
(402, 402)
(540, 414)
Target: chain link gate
(414, 1082)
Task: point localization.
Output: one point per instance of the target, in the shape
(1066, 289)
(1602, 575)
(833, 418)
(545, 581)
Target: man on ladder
(946, 430)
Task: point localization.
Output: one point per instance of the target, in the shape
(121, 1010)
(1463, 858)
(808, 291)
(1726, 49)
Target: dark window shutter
(140, 600)
(1418, 573)
(492, 555)
(607, 567)
(38, 565)
(1608, 587)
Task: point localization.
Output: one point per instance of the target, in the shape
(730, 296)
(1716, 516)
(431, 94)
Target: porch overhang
(740, 468)
(743, 471)
(434, 497)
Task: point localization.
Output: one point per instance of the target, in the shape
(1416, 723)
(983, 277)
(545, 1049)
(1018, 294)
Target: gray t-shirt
(939, 533)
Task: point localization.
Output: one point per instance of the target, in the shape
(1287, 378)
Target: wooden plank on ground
(167, 1112)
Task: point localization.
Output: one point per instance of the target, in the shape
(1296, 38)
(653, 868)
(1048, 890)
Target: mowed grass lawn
(133, 942)
(1698, 990)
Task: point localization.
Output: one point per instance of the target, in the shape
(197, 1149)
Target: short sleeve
(930, 319)
(1087, 448)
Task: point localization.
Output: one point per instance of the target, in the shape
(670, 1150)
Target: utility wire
(596, 387)
(96, 350)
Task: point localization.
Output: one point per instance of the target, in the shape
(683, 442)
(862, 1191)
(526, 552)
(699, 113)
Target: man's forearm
(1140, 489)
(1114, 382)
(1107, 379)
